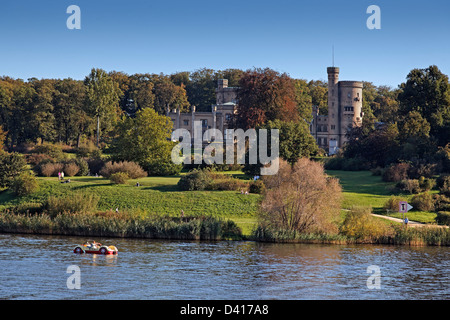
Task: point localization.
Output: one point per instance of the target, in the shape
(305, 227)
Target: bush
(426, 184)
(408, 185)
(225, 183)
(52, 150)
(132, 169)
(83, 166)
(119, 178)
(359, 224)
(393, 203)
(441, 202)
(163, 168)
(71, 169)
(74, 203)
(24, 184)
(423, 202)
(257, 186)
(95, 165)
(334, 163)
(396, 172)
(443, 217)
(51, 169)
(195, 180)
(11, 165)
(443, 183)
(422, 170)
(301, 198)
(35, 159)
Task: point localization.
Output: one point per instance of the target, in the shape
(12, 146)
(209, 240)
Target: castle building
(220, 116)
(344, 112)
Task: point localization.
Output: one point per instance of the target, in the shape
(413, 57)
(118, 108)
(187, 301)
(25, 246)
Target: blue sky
(295, 37)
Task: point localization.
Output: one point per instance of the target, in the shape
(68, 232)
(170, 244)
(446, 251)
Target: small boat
(95, 248)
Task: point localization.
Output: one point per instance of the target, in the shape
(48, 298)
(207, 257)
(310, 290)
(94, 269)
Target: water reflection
(34, 267)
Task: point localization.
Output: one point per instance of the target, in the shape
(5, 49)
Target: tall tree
(102, 98)
(71, 114)
(43, 117)
(319, 95)
(427, 91)
(263, 95)
(168, 96)
(145, 139)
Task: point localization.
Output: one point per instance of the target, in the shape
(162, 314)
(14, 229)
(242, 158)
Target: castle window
(204, 122)
(349, 95)
(348, 109)
(333, 127)
(186, 122)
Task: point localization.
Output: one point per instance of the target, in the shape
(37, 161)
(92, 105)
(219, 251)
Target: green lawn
(156, 195)
(361, 188)
(160, 195)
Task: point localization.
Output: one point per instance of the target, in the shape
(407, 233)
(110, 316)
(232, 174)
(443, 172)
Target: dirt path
(410, 223)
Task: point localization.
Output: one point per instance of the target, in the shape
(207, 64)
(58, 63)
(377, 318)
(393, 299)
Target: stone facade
(344, 112)
(220, 116)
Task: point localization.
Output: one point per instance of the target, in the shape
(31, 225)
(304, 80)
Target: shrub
(441, 202)
(426, 184)
(71, 169)
(35, 159)
(83, 166)
(132, 169)
(95, 165)
(422, 170)
(257, 186)
(396, 172)
(334, 163)
(444, 185)
(301, 198)
(359, 224)
(74, 203)
(119, 178)
(24, 184)
(393, 203)
(423, 202)
(51, 169)
(227, 184)
(443, 217)
(409, 185)
(11, 165)
(52, 150)
(195, 180)
(163, 167)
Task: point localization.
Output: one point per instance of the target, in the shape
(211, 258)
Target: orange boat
(95, 248)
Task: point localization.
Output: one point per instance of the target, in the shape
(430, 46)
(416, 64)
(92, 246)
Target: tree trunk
(98, 131)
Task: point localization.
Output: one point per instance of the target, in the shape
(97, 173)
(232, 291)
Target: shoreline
(387, 242)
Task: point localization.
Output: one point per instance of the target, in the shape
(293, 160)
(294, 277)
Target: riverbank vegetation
(158, 208)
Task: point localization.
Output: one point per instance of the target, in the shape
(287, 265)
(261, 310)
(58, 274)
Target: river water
(36, 267)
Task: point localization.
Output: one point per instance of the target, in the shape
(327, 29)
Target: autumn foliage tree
(265, 94)
(301, 198)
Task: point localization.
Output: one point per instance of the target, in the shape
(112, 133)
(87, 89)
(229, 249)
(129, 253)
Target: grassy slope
(361, 188)
(159, 195)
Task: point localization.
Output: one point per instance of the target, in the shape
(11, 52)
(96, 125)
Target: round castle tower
(344, 107)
